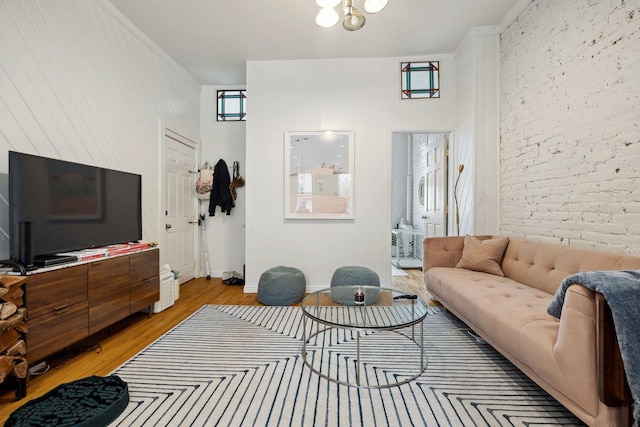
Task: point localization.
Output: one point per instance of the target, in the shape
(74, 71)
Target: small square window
(420, 79)
(232, 105)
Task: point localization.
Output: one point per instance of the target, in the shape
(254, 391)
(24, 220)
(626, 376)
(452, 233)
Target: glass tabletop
(366, 307)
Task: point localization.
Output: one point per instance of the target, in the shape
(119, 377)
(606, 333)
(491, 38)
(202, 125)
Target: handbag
(204, 183)
(237, 181)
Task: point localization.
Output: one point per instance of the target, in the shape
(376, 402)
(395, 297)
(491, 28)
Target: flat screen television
(70, 206)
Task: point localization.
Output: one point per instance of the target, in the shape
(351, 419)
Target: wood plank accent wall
(79, 82)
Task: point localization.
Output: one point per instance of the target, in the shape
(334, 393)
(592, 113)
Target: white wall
(362, 95)
(399, 170)
(477, 135)
(570, 124)
(223, 140)
(419, 144)
(80, 83)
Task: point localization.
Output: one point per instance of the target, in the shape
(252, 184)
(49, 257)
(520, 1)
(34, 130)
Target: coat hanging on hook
(220, 193)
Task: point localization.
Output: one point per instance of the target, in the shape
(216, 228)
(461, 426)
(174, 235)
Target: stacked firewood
(13, 327)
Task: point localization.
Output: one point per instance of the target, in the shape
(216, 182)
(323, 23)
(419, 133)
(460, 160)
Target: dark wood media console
(67, 304)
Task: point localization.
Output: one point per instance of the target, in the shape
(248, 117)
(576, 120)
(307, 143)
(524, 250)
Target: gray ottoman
(281, 286)
(352, 275)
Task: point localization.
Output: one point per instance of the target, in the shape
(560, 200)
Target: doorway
(180, 214)
(418, 195)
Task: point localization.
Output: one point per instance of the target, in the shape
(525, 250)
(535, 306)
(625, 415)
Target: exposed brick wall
(570, 124)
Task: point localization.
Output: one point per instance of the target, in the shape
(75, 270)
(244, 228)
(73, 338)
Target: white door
(435, 186)
(181, 219)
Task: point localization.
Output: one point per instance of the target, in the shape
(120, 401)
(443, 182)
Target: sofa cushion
(444, 251)
(483, 255)
(485, 297)
(541, 265)
(544, 266)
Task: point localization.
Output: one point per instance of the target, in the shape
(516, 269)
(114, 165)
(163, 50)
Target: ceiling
(213, 39)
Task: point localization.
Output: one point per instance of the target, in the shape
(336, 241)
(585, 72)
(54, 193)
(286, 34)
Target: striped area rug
(242, 366)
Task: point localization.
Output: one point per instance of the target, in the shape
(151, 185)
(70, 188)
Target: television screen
(71, 206)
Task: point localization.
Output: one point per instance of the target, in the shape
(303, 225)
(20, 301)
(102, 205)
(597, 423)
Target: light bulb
(353, 20)
(327, 17)
(374, 6)
(328, 3)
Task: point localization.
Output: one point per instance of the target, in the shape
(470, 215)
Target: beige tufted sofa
(570, 359)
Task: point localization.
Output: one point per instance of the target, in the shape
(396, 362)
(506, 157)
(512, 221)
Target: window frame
(236, 116)
(430, 90)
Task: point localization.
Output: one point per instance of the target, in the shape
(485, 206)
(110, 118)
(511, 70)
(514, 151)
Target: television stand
(50, 260)
(71, 302)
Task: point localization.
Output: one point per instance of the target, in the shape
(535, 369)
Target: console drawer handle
(61, 309)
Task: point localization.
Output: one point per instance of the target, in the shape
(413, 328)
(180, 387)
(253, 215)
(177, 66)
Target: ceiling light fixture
(374, 6)
(327, 17)
(353, 20)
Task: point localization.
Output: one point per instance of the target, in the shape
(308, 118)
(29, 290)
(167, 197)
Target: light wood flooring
(103, 352)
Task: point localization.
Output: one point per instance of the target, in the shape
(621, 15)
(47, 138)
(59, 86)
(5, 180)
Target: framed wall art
(319, 170)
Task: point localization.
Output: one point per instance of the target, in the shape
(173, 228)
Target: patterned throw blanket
(621, 290)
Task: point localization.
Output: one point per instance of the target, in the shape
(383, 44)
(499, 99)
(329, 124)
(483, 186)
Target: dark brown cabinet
(69, 304)
(144, 276)
(108, 292)
(57, 310)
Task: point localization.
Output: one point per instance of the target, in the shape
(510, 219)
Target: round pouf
(352, 275)
(281, 286)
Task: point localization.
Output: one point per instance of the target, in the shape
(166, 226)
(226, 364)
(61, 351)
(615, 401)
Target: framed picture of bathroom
(319, 168)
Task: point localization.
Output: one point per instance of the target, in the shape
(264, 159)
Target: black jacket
(220, 193)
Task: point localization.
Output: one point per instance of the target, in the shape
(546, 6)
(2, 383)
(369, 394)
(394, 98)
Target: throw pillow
(483, 255)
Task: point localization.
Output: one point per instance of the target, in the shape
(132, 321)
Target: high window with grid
(420, 79)
(232, 105)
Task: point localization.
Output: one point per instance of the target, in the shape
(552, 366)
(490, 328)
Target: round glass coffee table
(364, 336)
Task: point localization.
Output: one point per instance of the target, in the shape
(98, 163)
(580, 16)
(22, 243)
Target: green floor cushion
(281, 286)
(353, 275)
(88, 402)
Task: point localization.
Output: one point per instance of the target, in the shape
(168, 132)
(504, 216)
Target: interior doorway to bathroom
(419, 195)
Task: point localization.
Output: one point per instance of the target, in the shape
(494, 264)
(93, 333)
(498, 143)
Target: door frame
(386, 232)
(168, 133)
